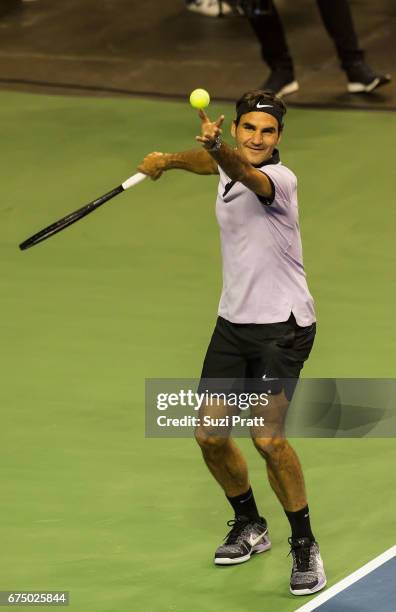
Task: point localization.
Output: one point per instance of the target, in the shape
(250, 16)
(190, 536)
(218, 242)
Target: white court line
(346, 582)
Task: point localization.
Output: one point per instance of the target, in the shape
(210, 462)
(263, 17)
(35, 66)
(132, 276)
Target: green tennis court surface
(88, 504)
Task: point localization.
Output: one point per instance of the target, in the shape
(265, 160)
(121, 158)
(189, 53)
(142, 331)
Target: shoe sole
(288, 89)
(259, 548)
(361, 88)
(226, 10)
(318, 587)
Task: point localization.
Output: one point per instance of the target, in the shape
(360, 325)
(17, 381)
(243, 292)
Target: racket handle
(133, 180)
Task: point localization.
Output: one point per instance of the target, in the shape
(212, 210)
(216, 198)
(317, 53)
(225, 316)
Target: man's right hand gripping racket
(71, 218)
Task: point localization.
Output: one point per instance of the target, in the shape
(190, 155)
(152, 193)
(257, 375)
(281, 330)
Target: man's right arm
(198, 161)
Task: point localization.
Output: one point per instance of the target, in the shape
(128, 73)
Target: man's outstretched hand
(210, 130)
(153, 165)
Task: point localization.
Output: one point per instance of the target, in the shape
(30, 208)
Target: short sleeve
(284, 184)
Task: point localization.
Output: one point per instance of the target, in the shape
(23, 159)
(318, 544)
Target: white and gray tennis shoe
(307, 574)
(246, 538)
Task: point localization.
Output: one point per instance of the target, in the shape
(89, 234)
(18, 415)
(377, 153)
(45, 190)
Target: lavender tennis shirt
(263, 272)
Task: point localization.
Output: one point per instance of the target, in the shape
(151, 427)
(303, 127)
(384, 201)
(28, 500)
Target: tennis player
(266, 324)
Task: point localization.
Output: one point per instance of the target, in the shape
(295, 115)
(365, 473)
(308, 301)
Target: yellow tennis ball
(199, 98)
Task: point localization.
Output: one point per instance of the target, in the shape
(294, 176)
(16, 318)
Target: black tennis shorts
(264, 356)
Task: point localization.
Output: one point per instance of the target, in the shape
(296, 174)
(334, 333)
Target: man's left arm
(230, 159)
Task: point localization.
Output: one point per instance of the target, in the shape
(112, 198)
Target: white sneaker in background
(210, 8)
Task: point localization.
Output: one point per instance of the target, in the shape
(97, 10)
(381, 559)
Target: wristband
(216, 145)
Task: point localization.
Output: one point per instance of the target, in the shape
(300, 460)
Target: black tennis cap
(260, 100)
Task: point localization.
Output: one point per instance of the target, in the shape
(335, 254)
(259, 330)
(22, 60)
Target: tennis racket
(71, 218)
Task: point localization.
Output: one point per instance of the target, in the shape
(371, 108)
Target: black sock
(300, 524)
(244, 505)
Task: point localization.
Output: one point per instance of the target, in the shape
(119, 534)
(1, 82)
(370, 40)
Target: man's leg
(287, 481)
(284, 472)
(337, 19)
(226, 463)
(269, 30)
(283, 466)
(223, 362)
(275, 52)
(281, 359)
(225, 365)
(249, 533)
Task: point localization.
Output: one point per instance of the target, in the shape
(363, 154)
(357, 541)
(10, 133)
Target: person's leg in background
(269, 30)
(337, 19)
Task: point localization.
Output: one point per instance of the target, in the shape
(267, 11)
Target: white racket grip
(133, 180)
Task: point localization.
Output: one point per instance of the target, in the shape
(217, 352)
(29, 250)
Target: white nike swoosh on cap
(258, 105)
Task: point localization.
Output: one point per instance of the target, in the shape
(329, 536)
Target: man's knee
(209, 442)
(270, 447)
